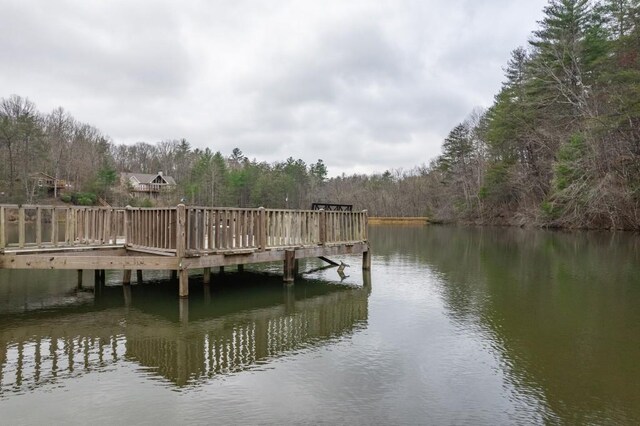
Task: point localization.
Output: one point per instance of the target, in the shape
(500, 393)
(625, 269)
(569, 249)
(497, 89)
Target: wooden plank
(181, 239)
(52, 231)
(322, 225)
(38, 226)
(262, 229)
(230, 229)
(235, 252)
(165, 228)
(72, 227)
(216, 260)
(67, 232)
(87, 219)
(241, 229)
(210, 228)
(55, 261)
(21, 227)
(152, 250)
(200, 229)
(98, 250)
(217, 229)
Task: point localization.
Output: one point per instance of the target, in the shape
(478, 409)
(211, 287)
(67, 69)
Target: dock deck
(177, 238)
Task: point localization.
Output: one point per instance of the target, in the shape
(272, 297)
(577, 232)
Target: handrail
(204, 229)
(45, 226)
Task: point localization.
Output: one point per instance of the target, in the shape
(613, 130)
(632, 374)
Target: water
(453, 326)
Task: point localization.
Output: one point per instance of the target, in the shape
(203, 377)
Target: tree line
(90, 163)
(560, 146)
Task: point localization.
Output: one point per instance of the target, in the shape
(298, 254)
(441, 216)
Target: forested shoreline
(559, 147)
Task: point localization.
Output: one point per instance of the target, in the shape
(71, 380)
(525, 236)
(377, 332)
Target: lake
(452, 326)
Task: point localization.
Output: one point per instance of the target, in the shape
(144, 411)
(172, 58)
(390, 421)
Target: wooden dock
(177, 238)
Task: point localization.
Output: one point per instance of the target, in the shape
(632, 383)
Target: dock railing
(173, 230)
(35, 226)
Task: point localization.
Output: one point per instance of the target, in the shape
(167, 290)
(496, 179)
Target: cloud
(363, 85)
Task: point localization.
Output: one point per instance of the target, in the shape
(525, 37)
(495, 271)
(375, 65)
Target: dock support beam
(126, 277)
(206, 276)
(240, 268)
(183, 277)
(181, 249)
(139, 276)
(79, 279)
(289, 265)
(366, 260)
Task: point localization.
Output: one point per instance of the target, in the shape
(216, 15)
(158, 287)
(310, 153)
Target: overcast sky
(364, 85)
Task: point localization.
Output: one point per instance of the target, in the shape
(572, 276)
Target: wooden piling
(126, 277)
(206, 275)
(289, 265)
(139, 276)
(181, 241)
(80, 278)
(240, 267)
(366, 260)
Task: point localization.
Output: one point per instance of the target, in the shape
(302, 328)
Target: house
(147, 185)
(43, 180)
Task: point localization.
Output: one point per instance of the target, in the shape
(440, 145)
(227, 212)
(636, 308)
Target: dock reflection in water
(240, 322)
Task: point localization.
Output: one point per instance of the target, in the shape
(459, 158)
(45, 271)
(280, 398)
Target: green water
(452, 326)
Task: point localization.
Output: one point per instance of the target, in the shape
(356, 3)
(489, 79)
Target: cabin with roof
(48, 182)
(147, 185)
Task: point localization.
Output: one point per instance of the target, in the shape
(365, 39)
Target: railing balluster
(21, 227)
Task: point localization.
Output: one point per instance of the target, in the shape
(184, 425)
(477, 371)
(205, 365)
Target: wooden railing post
(181, 245)
(323, 226)
(262, 229)
(127, 225)
(365, 225)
